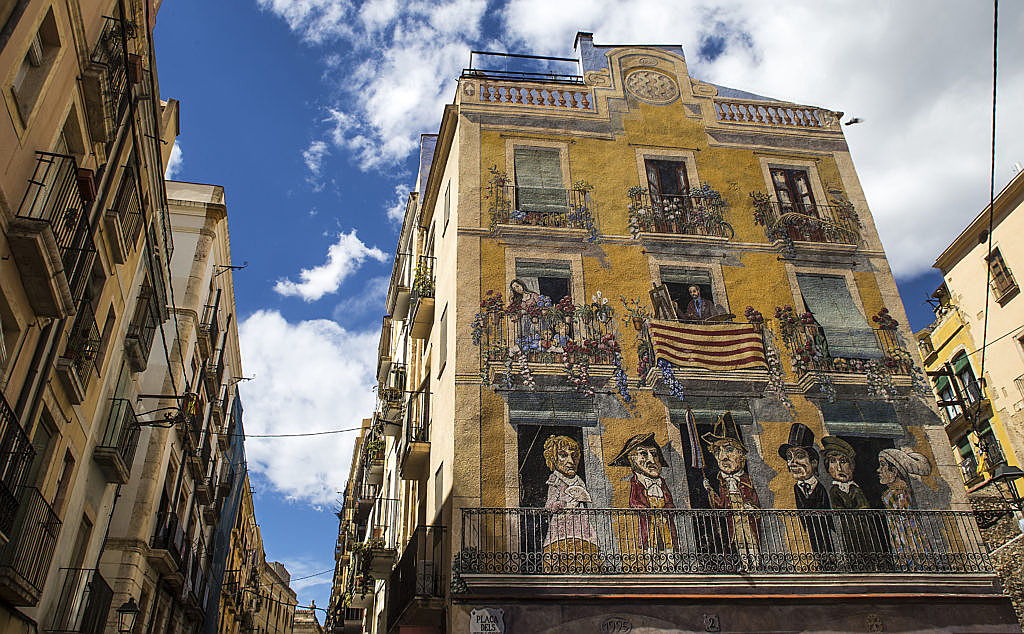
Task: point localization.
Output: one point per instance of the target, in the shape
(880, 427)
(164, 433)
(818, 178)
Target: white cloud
(309, 376)
(313, 157)
(396, 209)
(369, 299)
(919, 79)
(299, 567)
(175, 162)
(344, 257)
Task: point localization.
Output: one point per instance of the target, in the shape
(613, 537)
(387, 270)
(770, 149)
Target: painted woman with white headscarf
(896, 469)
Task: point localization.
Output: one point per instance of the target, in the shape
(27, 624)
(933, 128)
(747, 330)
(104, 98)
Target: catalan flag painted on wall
(712, 346)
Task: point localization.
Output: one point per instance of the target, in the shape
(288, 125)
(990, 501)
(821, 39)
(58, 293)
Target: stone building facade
(644, 366)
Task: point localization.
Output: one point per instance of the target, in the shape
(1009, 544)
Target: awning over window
(846, 330)
(861, 418)
(707, 409)
(542, 268)
(551, 408)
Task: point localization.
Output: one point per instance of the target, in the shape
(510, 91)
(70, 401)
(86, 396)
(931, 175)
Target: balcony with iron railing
(696, 213)
(415, 447)
(167, 546)
(83, 604)
(833, 224)
(539, 211)
(53, 220)
(77, 365)
(123, 219)
(421, 301)
(416, 587)
(142, 329)
(701, 550)
(115, 451)
(808, 346)
(209, 327)
(117, 68)
(16, 455)
(25, 559)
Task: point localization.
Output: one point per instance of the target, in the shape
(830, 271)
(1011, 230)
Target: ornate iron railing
(122, 431)
(835, 224)
(969, 469)
(111, 54)
(16, 454)
(210, 323)
(419, 572)
(59, 194)
(127, 205)
(169, 536)
(546, 334)
(83, 603)
(691, 214)
(808, 345)
(540, 207)
(27, 555)
(533, 541)
(84, 341)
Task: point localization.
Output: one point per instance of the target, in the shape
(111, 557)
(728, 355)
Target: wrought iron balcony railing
(423, 281)
(122, 431)
(417, 417)
(112, 55)
(210, 323)
(16, 454)
(808, 345)
(969, 469)
(534, 541)
(59, 194)
(692, 214)
(168, 536)
(142, 328)
(419, 572)
(383, 521)
(540, 207)
(84, 342)
(25, 559)
(83, 603)
(127, 205)
(834, 224)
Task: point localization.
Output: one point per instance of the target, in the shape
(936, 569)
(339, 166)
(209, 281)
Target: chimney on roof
(581, 36)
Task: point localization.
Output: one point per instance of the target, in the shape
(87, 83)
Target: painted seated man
(648, 490)
(734, 490)
(699, 308)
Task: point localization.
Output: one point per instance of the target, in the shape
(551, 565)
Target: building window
(793, 190)
(847, 332)
(538, 178)
(969, 387)
(1002, 279)
(442, 343)
(666, 178)
(64, 483)
(966, 458)
(35, 66)
(692, 292)
(549, 279)
(447, 206)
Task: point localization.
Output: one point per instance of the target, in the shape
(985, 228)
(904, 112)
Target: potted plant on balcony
(373, 456)
(379, 559)
(423, 282)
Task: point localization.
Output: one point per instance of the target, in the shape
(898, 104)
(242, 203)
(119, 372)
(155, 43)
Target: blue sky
(307, 112)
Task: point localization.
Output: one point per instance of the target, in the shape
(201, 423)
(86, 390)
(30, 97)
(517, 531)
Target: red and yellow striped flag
(712, 346)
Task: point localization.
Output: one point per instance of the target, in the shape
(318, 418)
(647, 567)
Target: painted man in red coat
(734, 490)
(648, 490)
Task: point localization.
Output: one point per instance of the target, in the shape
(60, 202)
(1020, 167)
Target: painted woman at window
(896, 469)
(571, 542)
(528, 305)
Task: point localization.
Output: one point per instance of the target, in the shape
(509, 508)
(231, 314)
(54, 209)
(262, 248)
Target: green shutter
(846, 330)
(960, 363)
(941, 383)
(861, 418)
(684, 275)
(539, 186)
(551, 408)
(707, 409)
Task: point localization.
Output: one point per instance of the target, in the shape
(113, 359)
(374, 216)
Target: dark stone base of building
(821, 614)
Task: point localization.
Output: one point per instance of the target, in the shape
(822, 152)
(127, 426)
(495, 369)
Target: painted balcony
(795, 222)
(525, 81)
(50, 236)
(702, 353)
(662, 217)
(510, 550)
(83, 603)
(540, 212)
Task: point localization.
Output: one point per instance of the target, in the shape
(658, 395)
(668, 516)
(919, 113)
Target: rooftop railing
(534, 541)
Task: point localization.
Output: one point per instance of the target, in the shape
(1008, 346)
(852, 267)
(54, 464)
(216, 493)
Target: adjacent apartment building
(986, 433)
(644, 365)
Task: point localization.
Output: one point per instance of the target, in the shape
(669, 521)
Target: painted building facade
(644, 365)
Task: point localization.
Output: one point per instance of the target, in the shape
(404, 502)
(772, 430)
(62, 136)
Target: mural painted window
(692, 292)
(666, 178)
(539, 185)
(1002, 278)
(845, 330)
(793, 190)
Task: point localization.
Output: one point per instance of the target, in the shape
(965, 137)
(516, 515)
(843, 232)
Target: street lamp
(1005, 478)
(126, 615)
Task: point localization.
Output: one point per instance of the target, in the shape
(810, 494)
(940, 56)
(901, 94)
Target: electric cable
(991, 184)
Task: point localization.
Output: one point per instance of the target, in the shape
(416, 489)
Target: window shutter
(846, 330)
(683, 275)
(539, 180)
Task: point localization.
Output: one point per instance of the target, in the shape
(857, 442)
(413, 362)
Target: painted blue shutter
(846, 330)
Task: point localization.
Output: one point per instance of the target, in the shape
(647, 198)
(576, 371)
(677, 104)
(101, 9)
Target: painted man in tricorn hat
(648, 490)
(734, 490)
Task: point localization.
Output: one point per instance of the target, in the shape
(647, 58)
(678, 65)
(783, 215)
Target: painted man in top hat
(648, 490)
(802, 461)
(735, 490)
